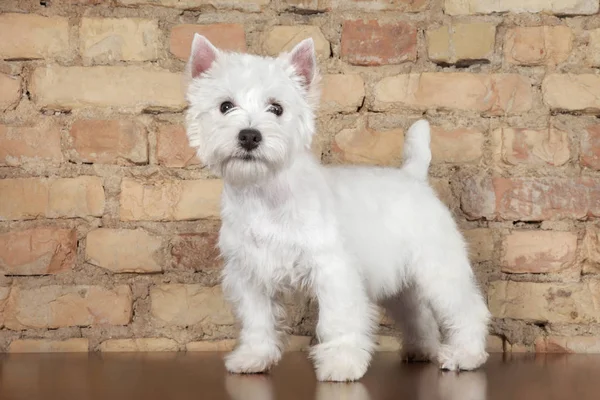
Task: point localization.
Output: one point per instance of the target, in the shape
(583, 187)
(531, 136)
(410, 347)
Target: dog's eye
(276, 109)
(226, 106)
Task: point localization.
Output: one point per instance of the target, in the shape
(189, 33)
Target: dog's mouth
(244, 157)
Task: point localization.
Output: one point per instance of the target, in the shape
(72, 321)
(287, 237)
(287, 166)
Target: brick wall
(108, 222)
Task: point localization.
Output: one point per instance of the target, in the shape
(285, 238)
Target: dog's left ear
(303, 59)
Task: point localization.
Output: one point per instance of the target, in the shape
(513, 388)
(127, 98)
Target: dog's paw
(246, 360)
(340, 363)
(460, 359)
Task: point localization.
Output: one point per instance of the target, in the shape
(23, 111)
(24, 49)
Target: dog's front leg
(346, 321)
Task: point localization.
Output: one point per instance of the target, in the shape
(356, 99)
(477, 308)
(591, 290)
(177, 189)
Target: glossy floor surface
(199, 376)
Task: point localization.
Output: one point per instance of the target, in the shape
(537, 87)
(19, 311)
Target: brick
(4, 293)
(38, 251)
(30, 36)
(125, 250)
(496, 94)
(123, 142)
(371, 42)
(591, 250)
(228, 37)
(461, 43)
(477, 198)
(50, 307)
(538, 252)
(173, 147)
(215, 345)
(364, 145)
(568, 344)
(540, 45)
(170, 200)
(298, 343)
(590, 147)
(342, 93)
(25, 144)
(196, 251)
(10, 91)
(480, 243)
(284, 38)
(593, 50)
(572, 7)
(183, 305)
(242, 5)
(571, 92)
(139, 345)
(76, 345)
(456, 145)
(442, 188)
(494, 344)
(532, 147)
(132, 88)
(106, 40)
(30, 198)
(379, 5)
(545, 302)
(388, 343)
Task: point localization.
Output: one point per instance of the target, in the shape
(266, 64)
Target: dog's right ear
(202, 56)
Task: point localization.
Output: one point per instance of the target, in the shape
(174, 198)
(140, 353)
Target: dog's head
(249, 116)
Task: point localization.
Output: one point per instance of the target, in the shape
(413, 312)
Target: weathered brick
(214, 345)
(568, 344)
(545, 302)
(571, 7)
(30, 198)
(591, 250)
(377, 5)
(25, 144)
(538, 252)
(532, 147)
(183, 305)
(442, 188)
(480, 243)
(593, 50)
(494, 344)
(105, 40)
(125, 250)
(229, 37)
(10, 91)
(99, 141)
(170, 200)
(4, 293)
(371, 42)
(76, 345)
(590, 147)
(477, 198)
(456, 145)
(49, 307)
(342, 93)
(243, 5)
(364, 145)
(132, 88)
(31, 36)
(496, 94)
(196, 251)
(572, 92)
(461, 43)
(538, 45)
(173, 148)
(284, 38)
(139, 345)
(38, 251)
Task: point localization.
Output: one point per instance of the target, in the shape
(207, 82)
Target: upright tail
(417, 153)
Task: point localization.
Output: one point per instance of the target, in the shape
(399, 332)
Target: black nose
(249, 138)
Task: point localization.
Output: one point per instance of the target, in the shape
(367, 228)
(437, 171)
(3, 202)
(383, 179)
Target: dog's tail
(417, 152)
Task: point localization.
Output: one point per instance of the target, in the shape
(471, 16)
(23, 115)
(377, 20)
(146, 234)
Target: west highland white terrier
(351, 236)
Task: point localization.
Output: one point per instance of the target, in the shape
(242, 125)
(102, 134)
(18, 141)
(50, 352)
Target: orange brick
(196, 251)
(30, 36)
(538, 45)
(229, 37)
(77, 345)
(538, 252)
(590, 147)
(572, 92)
(23, 145)
(10, 91)
(532, 147)
(173, 148)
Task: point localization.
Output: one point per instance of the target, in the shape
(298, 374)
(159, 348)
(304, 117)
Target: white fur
(352, 236)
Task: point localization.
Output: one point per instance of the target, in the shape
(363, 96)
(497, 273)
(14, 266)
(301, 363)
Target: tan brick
(38, 251)
(590, 147)
(570, 7)
(284, 38)
(99, 141)
(51, 198)
(4, 293)
(460, 43)
(571, 92)
(184, 305)
(591, 250)
(481, 244)
(372, 42)
(456, 145)
(568, 344)
(377, 5)
(388, 343)
(25, 144)
(496, 94)
(196, 251)
(364, 145)
(170, 200)
(125, 250)
(494, 344)
(298, 343)
(593, 50)
(215, 345)
(342, 93)
(538, 45)
(538, 252)
(105, 40)
(10, 91)
(228, 37)
(173, 148)
(545, 302)
(60, 306)
(243, 5)
(30, 36)
(532, 147)
(442, 188)
(131, 88)
(139, 345)
(76, 345)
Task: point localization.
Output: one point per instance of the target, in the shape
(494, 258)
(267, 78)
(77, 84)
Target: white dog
(351, 236)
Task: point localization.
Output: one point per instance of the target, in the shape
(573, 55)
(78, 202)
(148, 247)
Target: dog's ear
(304, 60)
(202, 56)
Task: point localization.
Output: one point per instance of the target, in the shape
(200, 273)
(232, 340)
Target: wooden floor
(199, 376)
